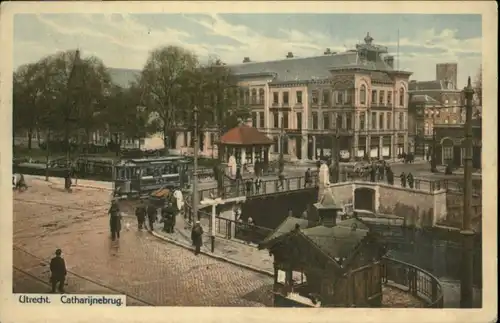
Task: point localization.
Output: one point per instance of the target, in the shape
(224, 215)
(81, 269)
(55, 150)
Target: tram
(137, 177)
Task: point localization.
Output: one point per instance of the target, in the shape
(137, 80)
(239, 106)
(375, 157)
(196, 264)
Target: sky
(125, 40)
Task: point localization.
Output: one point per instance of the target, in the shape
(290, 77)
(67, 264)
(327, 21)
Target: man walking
(140, 213)
(196, 237)
(114, 220)
(58, 272)
(403, 179)
(152, 213)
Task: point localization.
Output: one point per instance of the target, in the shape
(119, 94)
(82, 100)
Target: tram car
(139, 177)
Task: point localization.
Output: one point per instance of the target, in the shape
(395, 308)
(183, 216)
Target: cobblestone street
(139, 265)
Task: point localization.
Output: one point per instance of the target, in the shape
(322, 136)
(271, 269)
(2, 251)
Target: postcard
(244, 161)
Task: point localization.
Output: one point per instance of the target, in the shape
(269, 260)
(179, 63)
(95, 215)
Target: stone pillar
(206, 140)
(188, 139)
(243, 155)
(380, 146)
(393, 150)
(406, 142)
(355, 149)
(303, 146)
(368, 145)
(253, 155)
(314, 147)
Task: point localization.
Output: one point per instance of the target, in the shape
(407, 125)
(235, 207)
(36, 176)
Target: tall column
(466, 290)
(303, 146)
(406, 142)
(380, 146)
(314, 147)
(393, 151)
(253, 155)
(355, 147)
(243, 155)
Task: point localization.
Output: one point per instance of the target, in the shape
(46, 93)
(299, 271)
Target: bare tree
(160, 80)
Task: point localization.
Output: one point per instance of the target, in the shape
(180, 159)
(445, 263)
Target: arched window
(261, 96)
(401, 97)
(254, 96)
(362, 94)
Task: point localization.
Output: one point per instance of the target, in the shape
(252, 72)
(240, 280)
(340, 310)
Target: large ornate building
(357, 95)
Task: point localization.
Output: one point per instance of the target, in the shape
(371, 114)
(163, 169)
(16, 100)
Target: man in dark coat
(373, 173)
(249, 186)
(409, 177)
(403, 179)
(152, 213)
(258, 184)
(196, 237)
(167, 215)
(140, 213)
(67, 181)
(58, 272)
(308, 178)
(390, 176)
(114, 220)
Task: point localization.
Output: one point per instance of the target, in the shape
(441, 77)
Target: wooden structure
(321, 262)
(247, 144)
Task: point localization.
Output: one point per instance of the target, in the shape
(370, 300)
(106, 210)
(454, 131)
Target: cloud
(121, 40)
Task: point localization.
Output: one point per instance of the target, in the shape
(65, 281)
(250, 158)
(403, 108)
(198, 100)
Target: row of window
(381, 97)
(330, 120)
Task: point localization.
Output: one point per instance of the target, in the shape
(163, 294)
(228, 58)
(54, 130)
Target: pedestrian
(249, 186)
(166, 218)
(21, 183)
(307, 177)
(390, 176)
(114, 220)
(258, 184)
(67, 181)
(373, 173)
(381, 171)
(57, 272)
(196, 237)
(403, 179)
(281, 179)
(140, 213)
(410, 180)
(152, 213)
(238, 173)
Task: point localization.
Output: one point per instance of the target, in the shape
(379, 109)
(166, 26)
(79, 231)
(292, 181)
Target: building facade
(356, 95)
(432, 103)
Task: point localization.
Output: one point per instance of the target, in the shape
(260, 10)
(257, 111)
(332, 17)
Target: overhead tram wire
(79, 276)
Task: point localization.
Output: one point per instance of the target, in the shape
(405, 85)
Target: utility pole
(195, 164)
(69, 104)
(282, 138)
(466, 291)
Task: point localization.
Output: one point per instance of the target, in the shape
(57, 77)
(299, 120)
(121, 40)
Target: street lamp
(195, 163)
(434, 155)
(466, 291)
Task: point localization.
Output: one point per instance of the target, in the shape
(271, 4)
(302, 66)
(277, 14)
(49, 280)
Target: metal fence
(243, 231)
(248, 188)
(414, 280)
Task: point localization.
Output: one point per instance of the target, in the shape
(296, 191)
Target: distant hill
(122, 76)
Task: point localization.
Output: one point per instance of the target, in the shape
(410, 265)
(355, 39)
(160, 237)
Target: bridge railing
(251, 233)
(414, 280)
(248, 188)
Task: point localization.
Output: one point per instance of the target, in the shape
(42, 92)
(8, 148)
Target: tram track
(41, 260)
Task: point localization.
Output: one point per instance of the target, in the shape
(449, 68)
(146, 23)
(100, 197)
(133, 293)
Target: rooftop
(245, 135)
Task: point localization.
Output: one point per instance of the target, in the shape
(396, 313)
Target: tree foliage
(61, 93)
(160, 82)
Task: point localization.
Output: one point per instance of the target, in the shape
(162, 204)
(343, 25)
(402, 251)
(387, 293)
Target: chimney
(289, 55)
(246, 60)
(389, 60)
(327, 210)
